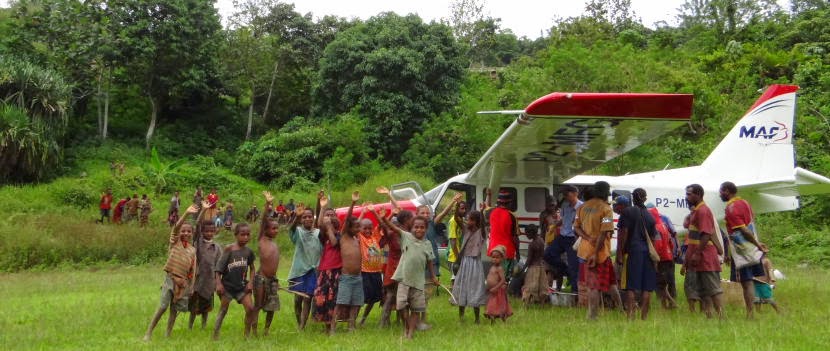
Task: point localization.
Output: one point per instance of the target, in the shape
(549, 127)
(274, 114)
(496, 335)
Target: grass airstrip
(108, 308)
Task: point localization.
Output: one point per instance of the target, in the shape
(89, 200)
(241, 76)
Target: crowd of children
(385, 255)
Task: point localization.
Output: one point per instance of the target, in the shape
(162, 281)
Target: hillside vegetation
(294, 103)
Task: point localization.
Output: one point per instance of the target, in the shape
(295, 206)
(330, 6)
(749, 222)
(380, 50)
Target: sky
(530, 18)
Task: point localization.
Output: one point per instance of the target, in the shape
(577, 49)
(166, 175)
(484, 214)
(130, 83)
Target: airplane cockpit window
(535, 199)
(468, 190)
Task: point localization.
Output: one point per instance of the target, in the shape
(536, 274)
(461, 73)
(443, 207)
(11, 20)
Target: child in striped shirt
(180, 269)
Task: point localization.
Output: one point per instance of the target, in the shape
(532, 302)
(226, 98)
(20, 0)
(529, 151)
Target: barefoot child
(180, 268)
(764, 285)
(392, 242)
(497, 304)
(469, 289)
(265, 281)
(207, 255)
(535, 289)
(417, 253)
(371, 267)
(302, 277)
(350, 285)
(331, 263)
(236, 262)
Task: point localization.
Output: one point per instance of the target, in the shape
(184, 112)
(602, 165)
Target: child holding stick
(417, 252)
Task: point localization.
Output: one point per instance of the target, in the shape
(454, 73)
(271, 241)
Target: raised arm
(174, 233)
(383, 190)
(322, 202)
(263, 223)
(320, 196)
(363, 213)
(455, 199)
(355, 198)
(385, 220)
(328, 229)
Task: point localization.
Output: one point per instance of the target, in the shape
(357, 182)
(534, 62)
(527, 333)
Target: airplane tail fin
(760, 146)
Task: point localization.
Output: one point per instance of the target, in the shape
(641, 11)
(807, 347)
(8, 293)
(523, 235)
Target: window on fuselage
(535, 199)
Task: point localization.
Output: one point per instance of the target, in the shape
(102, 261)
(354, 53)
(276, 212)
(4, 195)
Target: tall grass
(53, 224)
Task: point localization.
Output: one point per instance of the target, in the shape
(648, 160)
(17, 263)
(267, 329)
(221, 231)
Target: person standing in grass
(228, 218)
(302, 277)
(738, 217)
(702, 266)
(350, 285)
(213, 211)
(236, 262)
(469, 289)
(535, 289)
(132, 208)
(371, 265)
(455, 229)
(497, 304)
(119, 210)
(416, 254)
(329, 268)
(639, 274)
(595, 224)
(432, 237)
(173, 211)
(207, 256)
(180, 269)
(105, 205)
(253, 214)
(266, 284)
(146, 207)
(393, 240)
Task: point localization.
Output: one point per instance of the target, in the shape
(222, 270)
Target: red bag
(663, 244)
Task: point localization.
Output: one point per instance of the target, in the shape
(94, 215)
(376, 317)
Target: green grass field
(109, 308)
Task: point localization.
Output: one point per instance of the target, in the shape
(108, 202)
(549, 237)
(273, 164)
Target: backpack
(663, 244)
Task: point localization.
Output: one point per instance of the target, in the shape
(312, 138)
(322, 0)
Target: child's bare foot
(146, 338)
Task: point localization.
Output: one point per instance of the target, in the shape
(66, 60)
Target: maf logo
(776, 132)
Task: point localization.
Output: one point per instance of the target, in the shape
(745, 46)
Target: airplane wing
(561, 135)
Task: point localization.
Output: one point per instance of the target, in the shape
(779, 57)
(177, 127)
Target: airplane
(562, 135)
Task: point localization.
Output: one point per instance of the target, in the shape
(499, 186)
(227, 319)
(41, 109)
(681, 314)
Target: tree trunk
(98, 106)
(250, 118)
(270, 90)
(153, 114)
(106, 103)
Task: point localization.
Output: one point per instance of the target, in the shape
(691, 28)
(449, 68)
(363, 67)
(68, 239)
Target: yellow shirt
(594, 217)
(452, 233)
